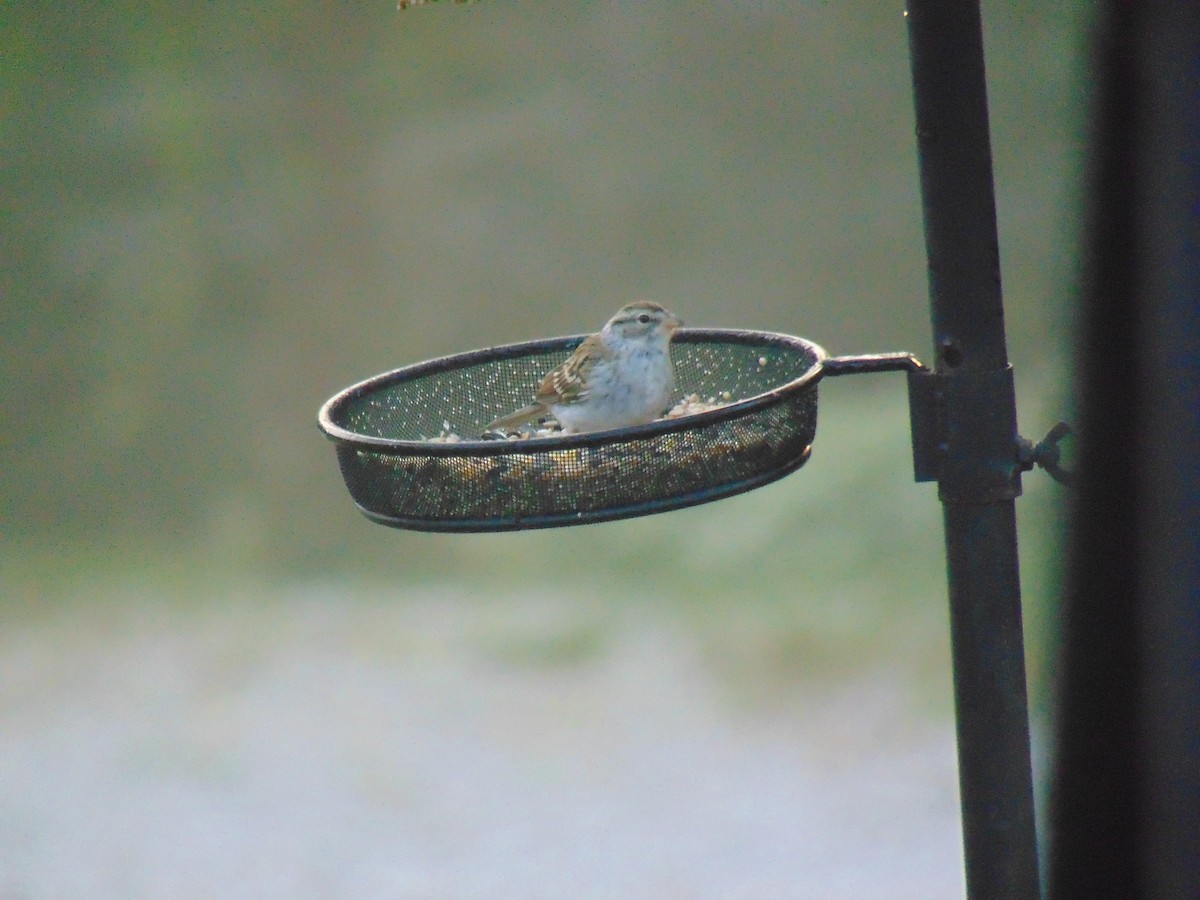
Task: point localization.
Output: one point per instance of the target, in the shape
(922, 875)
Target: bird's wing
(568, 383)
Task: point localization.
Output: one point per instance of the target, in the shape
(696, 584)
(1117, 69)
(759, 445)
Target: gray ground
(310, 744)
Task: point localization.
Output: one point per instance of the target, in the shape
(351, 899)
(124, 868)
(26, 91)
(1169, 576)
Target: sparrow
(620, 376)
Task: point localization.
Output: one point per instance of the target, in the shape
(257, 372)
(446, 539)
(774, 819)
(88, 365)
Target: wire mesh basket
(408, 448)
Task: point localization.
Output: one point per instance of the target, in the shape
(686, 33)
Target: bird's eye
(644, 319)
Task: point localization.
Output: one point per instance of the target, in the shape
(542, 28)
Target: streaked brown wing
(566, 384)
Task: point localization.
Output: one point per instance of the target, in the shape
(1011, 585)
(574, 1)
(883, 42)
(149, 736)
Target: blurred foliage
(217, 215)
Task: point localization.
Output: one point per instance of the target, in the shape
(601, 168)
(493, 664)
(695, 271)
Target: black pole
(977, 470)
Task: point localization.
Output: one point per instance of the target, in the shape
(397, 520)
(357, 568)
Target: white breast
(630, 389)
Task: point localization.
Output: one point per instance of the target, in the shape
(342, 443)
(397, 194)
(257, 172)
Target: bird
(620, 376)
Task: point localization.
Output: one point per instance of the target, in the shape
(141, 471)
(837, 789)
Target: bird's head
(643, 319)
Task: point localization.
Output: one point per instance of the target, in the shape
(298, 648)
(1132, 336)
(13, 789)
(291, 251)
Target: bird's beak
(674, 322)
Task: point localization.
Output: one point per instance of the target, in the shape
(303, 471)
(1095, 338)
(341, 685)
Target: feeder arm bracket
(981, 457)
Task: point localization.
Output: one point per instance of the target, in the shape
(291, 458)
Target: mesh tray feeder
(400, 475)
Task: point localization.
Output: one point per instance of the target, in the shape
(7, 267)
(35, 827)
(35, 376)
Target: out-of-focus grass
(221, 214)
(836, 569)
(220, 217)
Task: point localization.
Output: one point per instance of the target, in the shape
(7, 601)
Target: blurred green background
(218, 215)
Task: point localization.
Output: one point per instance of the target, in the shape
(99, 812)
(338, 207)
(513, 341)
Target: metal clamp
(973, 473)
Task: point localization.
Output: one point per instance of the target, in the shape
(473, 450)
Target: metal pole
(977, 471)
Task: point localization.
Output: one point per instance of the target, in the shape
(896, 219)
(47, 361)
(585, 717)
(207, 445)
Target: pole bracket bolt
(1046, 454)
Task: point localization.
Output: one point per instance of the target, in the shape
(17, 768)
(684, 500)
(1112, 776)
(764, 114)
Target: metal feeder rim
(479, 447)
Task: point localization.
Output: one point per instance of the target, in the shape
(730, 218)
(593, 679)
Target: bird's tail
(522, 416)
